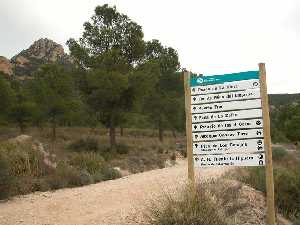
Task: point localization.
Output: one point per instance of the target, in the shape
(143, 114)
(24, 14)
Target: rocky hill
(5, 66)
(28, 61)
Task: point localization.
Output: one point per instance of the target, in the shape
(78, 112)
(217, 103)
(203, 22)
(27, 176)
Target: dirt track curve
(115, 202)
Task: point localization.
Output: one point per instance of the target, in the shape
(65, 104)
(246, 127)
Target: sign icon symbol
(200, 80)
(258, 122)
(255, 84)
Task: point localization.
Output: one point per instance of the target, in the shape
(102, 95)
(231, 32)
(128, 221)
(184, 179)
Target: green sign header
(220, 79)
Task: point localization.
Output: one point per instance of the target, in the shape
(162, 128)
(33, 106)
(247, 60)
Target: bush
(5, 179)
(122, 149)
(85, 144)
(278, 153)
(23, 160)
(95, 165)
(190, 207)
(89, 161)
(69, 176)
(109, 173)
(286, 185)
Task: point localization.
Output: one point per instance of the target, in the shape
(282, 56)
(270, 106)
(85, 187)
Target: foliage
(190, 207)
(54, 92)
(6, 96)
(286, 184)
(5, 178)
(279, 153)
(163, 103)
(111, 45)
(85, 144)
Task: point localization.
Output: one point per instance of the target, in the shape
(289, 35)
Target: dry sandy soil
(115, 202)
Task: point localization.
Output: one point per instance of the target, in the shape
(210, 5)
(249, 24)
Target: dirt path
(115, 202)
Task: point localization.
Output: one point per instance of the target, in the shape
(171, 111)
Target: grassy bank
(79, 156)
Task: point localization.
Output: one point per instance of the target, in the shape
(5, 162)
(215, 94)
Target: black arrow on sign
(194, 108)
(195, 127)
(194, 98)
(195, 117)
(196, 145)
(196, 159)
(193, 89)
(196, 136)
(258, 122)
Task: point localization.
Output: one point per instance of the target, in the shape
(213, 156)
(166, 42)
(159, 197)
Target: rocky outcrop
(41, 52)
(5, 66)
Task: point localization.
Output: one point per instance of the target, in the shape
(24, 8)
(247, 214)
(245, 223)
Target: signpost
(227, 124)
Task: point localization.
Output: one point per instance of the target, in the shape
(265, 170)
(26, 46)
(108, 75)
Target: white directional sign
(228, 135)
(229, 146)
(251, 159)
(226, 106)
(227, 96)
(227, 125)
(228, 86)
(230, 115)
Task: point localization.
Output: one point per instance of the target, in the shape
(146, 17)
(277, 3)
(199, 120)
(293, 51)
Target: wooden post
(188, 123)
(268, 147)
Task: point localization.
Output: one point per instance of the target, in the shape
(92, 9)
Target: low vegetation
(286, 182)
(215, 202)
(77, 157)
(188, 207)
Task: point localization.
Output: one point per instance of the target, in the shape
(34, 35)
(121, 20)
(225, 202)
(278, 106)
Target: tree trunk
(22, 127)
(54, 130)
(160, 132)
(174, 133)
(112, 136)
(121, 131)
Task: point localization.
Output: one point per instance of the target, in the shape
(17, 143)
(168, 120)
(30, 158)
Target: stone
(5, 66)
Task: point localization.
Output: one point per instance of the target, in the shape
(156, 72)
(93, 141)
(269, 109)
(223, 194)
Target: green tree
(163, 102)
(110, 48)
(6, 96)
(293, 127)
(23, 109)
(54, 92)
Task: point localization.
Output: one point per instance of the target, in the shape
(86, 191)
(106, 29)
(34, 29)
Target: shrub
(296, 221)
(190, 207)
(23, 160)
(95, 165)
(109, 173)
(286, 185)
(5, 179)
(173, 156)
(85, 144)
(89, 161)
(122, 149)
(278, 153)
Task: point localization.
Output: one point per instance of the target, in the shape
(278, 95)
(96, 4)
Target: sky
(211, 36)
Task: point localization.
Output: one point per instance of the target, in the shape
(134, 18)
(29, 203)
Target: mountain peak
(5, 66)
(41, 52)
